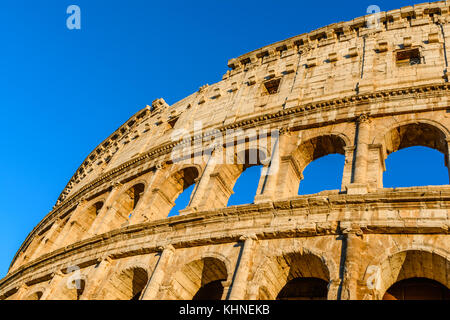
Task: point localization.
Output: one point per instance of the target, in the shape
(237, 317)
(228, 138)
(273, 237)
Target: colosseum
(363, 89)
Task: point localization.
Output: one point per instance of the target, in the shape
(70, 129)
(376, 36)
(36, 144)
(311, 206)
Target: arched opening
(422, 164)
(244, 176)
(210, 291)
(304, 289)
(200, 280)
(69, 290)
(322, 174)
(168, 187)
(320, 162)
(35, 296)
(80, 224)
(246, 186)
(417, 289)
(410, 264)
(124, 206)
(126, 285)
(178, 187)
(294, 276)
(182, 201)
(415, 166)
(50, 241)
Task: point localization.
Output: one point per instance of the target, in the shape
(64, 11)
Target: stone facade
(358, 89)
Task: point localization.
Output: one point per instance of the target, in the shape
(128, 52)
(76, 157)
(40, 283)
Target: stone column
(353, 248)
(67, 230)
(447, 157)
(376, 166)
(98, 275)
(21, 293)
(98, 225)
(239, 286)
(56, 279)
(347, 174)
(359, 183)
(48, 240)
(281, 179)
(153, 286)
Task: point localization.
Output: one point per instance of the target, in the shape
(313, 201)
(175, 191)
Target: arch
(423, 133)
(198, 278)
(177, 182)
(35, 293)
(380, 138)
(124, 205)
(323, 174)
(34, 296)
(69, 288)
(415, 166)
(398, 135)
(301, 288)
(413, 262)
(79, 225)
(285, 270)
(417, 289)
(126, 284)
(222, 180)
(316, 147)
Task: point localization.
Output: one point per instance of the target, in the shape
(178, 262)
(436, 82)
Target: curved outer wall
(345, 88)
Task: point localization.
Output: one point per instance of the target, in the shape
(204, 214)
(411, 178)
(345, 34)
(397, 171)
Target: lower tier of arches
(390, 245)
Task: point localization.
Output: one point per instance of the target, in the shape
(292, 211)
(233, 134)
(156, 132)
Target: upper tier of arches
(283, 156)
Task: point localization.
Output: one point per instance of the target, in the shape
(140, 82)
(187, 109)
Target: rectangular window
(408, 57)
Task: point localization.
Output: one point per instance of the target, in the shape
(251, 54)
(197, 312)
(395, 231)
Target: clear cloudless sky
(63, 91)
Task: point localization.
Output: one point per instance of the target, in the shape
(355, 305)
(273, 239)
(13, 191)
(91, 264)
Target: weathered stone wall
(346, 88)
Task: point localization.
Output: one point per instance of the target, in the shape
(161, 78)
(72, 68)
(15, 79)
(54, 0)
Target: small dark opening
(417, 289)
(272, 86)
(304, 289)
(210, 291)
(409, 56)
(172, 121)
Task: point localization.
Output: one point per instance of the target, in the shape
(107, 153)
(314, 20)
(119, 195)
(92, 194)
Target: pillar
(153, 286)
(447, 157)
(239, 286)
(48, 293)
(361, 157)
(376, 166)
(99, 224)
(282, 177)
(95, 279)
(353, 248)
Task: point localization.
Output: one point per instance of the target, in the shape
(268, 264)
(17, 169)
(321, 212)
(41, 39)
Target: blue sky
(63, 91)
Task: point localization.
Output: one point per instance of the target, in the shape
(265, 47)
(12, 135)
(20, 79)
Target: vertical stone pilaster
(349, 285)
(239, 286)
(283, 176)
(98, 225)
(376, 166)
(447, 157)
(98, 275)
(361, 157)
(56, 279)
(348, 165)
(153, 286)
(21, 293)
(48, 241)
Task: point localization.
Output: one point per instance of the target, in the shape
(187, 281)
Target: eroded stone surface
(360, 92)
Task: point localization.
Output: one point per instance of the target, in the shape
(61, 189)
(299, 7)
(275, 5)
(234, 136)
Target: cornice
(403, 18)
